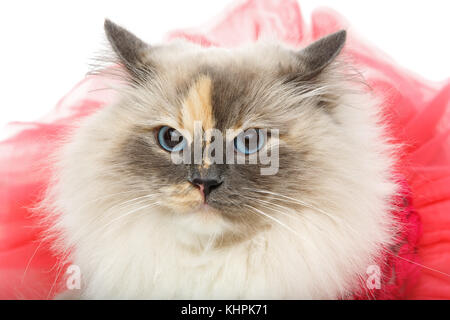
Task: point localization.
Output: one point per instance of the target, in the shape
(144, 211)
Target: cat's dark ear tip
(335, 42)
(112, 28)
(342, 34)
(108, 25)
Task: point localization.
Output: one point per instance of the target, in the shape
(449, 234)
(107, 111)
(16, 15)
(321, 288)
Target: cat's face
(183, 91)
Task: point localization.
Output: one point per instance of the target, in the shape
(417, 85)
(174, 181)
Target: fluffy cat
(140, 226)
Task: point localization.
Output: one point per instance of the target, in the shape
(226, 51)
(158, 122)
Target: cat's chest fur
(145, 262)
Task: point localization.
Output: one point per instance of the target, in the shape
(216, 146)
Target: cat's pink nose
(206, 186)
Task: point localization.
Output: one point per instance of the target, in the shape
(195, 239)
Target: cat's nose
(206, 185)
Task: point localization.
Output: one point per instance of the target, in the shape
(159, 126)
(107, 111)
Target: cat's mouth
(197, 204)
(186, 197)
(189, 201)
(191, 196)
(215, 214)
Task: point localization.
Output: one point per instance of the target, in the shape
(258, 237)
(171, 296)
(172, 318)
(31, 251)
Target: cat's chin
(204, 207)
(202, 219)
(193, 208)
(205, 213)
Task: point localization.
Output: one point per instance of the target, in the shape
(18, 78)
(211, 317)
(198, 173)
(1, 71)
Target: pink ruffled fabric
(417, 112)
(28, 269)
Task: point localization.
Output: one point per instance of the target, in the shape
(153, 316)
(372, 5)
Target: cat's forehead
(222, 89)
(253, 55)
(217, 100)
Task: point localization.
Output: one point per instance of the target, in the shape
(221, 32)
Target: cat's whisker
(120, 205)
(388, 251)
(292, 200)
(127, 214)
(58, 273)
(210, 243)
(31, 259)
(334, 219)
(273, 219)
(103, 198)
(270, 205)
(300, 202)
(109, 212)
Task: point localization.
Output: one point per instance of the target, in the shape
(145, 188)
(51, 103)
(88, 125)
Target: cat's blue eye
(170, 139)
(249, 141)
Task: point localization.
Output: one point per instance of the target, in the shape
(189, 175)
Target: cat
(140, 226)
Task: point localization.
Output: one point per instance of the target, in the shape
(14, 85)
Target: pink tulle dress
(417, 112)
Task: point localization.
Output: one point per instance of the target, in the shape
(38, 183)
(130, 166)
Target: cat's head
(265, 99)
(261, 99)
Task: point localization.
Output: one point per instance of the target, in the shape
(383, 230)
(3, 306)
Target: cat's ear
(131, 51)
(320, 54)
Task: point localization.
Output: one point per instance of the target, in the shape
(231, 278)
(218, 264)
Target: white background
(45, 46)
